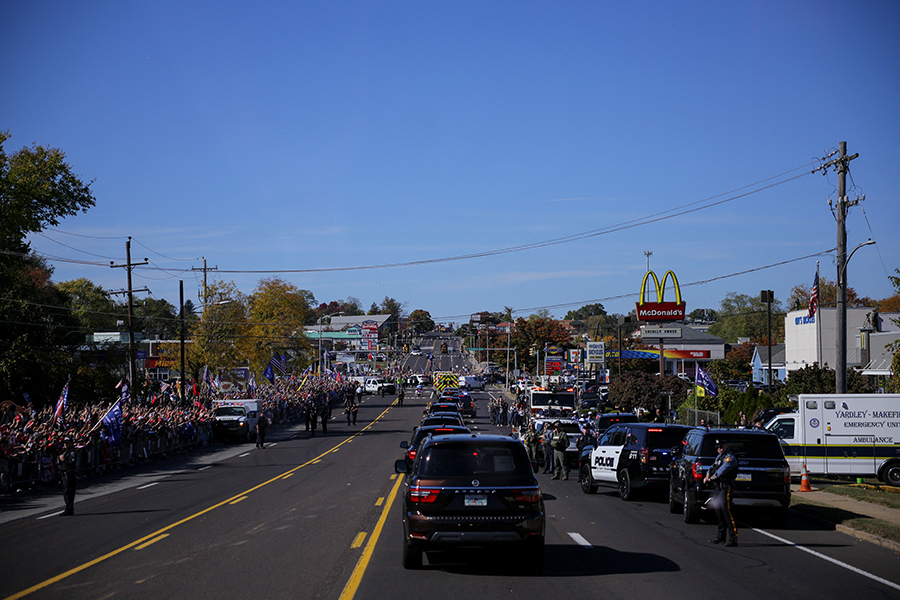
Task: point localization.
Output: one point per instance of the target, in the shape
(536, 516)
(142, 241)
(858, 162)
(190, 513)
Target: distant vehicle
(374, 386)
(415, 352)
(468, 382)
(235, 419)
(548, 403)
(607, 420)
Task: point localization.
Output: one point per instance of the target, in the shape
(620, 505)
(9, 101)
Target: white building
(812, 340)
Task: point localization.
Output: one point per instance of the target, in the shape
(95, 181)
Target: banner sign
(595, 352)
(654, 354)
(660, 310)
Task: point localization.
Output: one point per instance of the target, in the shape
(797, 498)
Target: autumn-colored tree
(741, 315)
(799, 296)
(221, 336)
(637, 389)
(420, 321)
(537, 332)
(278, 312)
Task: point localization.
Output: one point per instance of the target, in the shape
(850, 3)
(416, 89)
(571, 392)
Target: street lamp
(841, 333)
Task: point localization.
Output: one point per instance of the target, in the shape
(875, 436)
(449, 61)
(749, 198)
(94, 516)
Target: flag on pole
(814, 296)
(113, 421)
(705, 382)
(269, 373)
(126, 391)
(252, 382)
(61, 404)
(207, 378)
(305, 376)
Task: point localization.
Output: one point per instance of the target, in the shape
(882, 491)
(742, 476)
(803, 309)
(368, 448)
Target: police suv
(631, 456)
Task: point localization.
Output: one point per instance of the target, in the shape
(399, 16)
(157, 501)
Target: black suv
(472, 491)
(607, 420)
(763, 479)
(425, 431)
(631, 456)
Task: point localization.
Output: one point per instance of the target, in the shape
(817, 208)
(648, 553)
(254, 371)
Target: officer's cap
(721, 443)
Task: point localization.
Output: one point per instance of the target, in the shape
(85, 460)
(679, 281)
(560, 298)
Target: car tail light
(644, 453)
(423, 495)
(697, 470)
(412, 455)
(532, 496)
(787, 475)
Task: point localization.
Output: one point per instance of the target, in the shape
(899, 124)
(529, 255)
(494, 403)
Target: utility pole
(204, 299)
(768, 296)
(842, 165)
(128, 266)
(182, 391)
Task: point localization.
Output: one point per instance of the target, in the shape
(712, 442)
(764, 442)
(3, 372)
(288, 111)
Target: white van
(468, 382)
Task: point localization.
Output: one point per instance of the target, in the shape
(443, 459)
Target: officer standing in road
(559, 440)
(67, 465)
(262, 425)
(721, 475)
(400, 397)
(532, 441)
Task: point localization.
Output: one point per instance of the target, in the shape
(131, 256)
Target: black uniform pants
(69, 492)
(721, 502)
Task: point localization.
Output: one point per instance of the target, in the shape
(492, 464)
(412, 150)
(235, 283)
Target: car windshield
(231, 411)
(467, 459)
(746, 446)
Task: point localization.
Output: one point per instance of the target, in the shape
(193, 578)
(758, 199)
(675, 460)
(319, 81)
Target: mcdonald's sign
(660, 310)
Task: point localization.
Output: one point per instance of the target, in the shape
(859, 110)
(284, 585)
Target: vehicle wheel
(588, 486)
(690, 512)
(892, 474)
(673, 502)
(412, 557)
(626, 490)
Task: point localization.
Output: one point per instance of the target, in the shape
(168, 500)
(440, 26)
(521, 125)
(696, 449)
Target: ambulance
(842, 434)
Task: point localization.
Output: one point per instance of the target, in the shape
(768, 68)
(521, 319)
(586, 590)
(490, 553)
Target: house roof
(763, 353)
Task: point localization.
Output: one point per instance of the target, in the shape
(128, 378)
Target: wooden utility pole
(129, 266)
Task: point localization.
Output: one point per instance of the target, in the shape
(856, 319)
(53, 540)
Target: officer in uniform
(721, 475)
(67, 465)
(532, 441)
(559, 441)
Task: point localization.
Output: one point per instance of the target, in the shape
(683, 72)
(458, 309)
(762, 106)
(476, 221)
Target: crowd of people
(33, 443)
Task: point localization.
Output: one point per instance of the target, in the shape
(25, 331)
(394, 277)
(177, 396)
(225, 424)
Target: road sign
(595, 352)
(660, 332)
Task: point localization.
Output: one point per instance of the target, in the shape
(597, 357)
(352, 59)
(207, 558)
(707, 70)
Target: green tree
(704, 315)
(420, 321)
(39, 335)
(156, 316)
(813, 379)
(220, 337)
(91, 305)
(395, 308)
(799, 296)
(740, 316)
(586, 311)
(636, 389)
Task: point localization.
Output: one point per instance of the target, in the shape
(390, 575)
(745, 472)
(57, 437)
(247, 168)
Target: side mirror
(400, 466)
(404, 444)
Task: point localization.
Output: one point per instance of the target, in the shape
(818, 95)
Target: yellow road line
(360, 569)
(153, 541)
(358, 540)
(241, 499)
(379, 501)
(146, 538)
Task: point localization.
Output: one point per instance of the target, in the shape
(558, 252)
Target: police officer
(559, 441)
(262, 425)
(721, 475)
(532, 441)
(67, 465)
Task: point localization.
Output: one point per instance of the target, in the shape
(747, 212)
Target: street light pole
(841, 332)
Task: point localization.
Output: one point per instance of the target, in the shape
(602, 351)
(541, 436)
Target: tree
(348, 307)
(813, 379)
(536, 332)
(395, 308)
(746, 316)
(420, 321)
(221, 335)
(799, 296)
(278, 312)
(588, 310)
(39, 335)
(91, 305)
(636, 389)
(156, 316)
(374, 310)
(737, 364)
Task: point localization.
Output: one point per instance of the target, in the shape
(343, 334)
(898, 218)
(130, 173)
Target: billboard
(660, 310)
(595, 352)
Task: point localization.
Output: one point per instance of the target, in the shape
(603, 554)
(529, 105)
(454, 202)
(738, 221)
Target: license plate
(476, 500)
(744, 477)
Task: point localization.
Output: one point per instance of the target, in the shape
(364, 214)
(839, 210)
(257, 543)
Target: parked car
(467, 491)
(631, 457)
(763, 480)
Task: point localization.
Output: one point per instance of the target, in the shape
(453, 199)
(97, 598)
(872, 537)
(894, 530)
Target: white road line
(144, 487)
(205, 468)
(244, 454)
(829, 559)
(56, 514)
(580, 540)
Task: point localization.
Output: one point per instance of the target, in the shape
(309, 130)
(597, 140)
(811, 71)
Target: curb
(851, 531)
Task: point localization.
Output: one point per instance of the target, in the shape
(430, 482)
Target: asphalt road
(319, 518)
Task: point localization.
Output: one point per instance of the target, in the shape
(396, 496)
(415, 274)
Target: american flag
(60, 405)
(814, 296)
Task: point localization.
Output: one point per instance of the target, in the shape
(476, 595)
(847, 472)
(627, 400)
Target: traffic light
(531, 351)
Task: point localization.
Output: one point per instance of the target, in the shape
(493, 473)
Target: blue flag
(113, 422)
(269, 373)
(706, 382)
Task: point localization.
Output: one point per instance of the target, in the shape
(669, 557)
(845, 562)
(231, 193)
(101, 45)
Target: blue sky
(305, 136)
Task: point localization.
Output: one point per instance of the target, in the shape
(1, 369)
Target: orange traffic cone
(804, 481)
